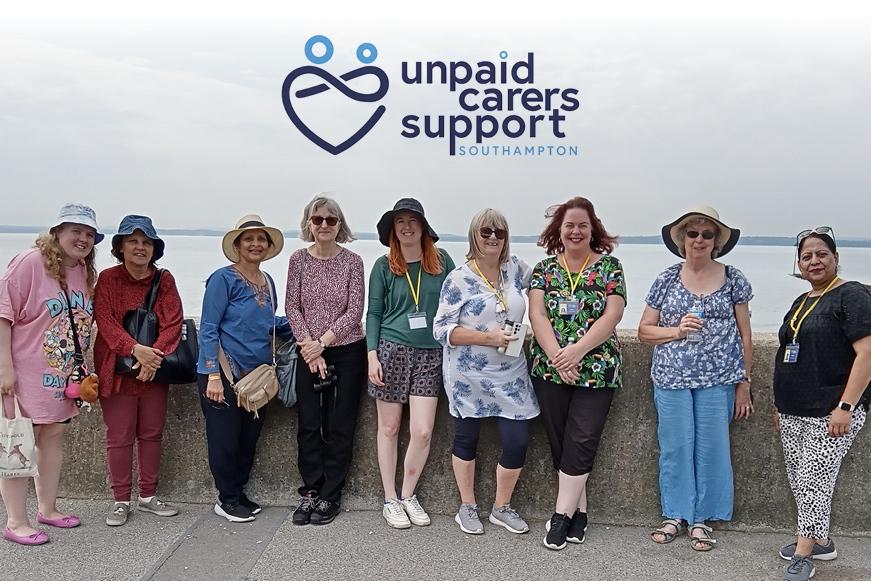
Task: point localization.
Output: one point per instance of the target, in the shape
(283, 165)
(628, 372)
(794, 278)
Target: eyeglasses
(500, 233)
(318, 220)
(706, 234)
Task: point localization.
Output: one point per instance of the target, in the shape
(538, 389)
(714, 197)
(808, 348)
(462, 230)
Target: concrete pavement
(198, 545)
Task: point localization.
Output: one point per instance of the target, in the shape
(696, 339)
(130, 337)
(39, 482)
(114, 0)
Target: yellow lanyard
(792, 324)
(574, 283)
(414, 294)
(504, 301)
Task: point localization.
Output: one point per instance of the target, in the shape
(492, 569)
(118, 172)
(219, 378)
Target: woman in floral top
(700, 371)
(576, 299)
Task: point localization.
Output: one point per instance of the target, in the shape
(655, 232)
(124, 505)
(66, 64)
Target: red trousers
(135, 419)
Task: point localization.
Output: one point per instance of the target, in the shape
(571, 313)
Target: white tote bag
(17, 449)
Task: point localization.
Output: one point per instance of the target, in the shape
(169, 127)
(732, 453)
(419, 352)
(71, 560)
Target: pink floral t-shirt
(42, 342)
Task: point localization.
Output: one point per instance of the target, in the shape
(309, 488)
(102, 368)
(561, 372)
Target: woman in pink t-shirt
(39, 289)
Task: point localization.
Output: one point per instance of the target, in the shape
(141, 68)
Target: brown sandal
(668, 537)
(705, 542)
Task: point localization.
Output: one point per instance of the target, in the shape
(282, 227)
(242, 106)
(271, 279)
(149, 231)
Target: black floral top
(600, 367)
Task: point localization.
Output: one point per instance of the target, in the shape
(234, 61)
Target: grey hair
(699, 221)
(345, 235)
(487, 217)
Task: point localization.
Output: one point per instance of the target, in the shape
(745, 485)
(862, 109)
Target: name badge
(791, 353)
(417, 320)
(568, 306)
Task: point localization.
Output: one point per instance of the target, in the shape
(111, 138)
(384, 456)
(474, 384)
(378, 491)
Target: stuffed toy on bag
(86, 390)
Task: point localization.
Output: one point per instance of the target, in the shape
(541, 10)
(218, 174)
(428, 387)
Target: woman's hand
(776, 420)
(8, 381)
(568, 358)
(569, 377)
(375, 372)
(500, 337)
(689, 322)
(310, 349)
(215, 390)
(318, 366)
(147, 357)
(839, 422)
(146, 373)
(743, 403)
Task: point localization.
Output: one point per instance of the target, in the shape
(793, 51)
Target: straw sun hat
(251, 222)
(728, 236)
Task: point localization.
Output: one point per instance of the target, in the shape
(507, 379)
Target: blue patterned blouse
(718, 359)
(479, 381)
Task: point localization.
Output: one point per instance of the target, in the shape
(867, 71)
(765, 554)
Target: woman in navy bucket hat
(134, 408)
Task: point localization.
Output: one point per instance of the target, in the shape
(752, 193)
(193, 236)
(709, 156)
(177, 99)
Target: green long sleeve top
(391, 301)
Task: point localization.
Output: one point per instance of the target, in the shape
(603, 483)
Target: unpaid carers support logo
(483, 91)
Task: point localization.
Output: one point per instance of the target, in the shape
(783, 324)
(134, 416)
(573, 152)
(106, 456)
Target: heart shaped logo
(366, 53)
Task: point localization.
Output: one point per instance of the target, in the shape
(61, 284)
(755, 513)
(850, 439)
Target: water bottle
(699, 311)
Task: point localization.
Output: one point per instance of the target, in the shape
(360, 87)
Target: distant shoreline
(743, 241)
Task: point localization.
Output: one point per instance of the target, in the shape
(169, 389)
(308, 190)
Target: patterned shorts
(407, 371)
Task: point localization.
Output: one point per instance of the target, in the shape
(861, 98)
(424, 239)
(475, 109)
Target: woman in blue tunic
(476, 300)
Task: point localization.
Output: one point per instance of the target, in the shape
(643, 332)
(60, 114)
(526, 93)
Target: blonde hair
(48, 245)
(494, 219)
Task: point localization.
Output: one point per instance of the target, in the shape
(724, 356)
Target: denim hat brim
(132, 223)
(79, 214)
(385, 224)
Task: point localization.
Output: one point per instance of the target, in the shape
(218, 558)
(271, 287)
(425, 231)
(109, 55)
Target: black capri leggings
(514, 435)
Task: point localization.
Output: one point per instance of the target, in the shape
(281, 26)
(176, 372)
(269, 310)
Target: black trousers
(327, 420)
(232, 434)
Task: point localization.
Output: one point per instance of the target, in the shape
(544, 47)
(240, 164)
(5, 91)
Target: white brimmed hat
(728, 236)
(79, 214)
(251, 222)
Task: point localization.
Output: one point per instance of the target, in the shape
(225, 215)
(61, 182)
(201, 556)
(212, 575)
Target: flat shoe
(705, 542)
(66, 522)
(39, 538)
(667, 536)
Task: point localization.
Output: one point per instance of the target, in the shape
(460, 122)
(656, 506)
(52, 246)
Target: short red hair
(550, 240)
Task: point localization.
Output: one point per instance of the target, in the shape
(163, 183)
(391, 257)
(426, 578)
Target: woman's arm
(743, 402)
(108, 319)
(571, 355)
(292, 299)
(860, 376)
(170, 315)
(540, 321)
(374, 316)
(498, 337)
(649, 330)
(350, 319)
(8, 379)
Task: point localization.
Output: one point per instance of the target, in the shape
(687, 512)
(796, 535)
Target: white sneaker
(415, 512)
(395, 515)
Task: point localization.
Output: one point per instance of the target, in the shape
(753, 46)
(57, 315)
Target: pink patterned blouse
(332, 296)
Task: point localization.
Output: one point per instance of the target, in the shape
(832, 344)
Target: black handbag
(142, 324)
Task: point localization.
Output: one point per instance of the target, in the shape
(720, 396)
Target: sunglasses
(707, 234)
(499, 232)
(822, 230)
(318, 220)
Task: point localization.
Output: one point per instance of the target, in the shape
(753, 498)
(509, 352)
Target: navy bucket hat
(385, 224)
(133, 222)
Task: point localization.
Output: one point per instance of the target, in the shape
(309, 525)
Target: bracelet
(132, 348)
(747, 379)
(213, 376)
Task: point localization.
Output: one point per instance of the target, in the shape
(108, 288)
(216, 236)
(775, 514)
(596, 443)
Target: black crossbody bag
(142, 324)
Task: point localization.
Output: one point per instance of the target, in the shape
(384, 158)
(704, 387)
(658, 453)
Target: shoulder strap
(80, 359)
(272, 312)
(151, 295)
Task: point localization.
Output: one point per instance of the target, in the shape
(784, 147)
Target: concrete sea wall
(623, 487)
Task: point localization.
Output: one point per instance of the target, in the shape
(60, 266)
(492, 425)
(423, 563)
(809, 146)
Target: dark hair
(827, 240)
(600, 241)
(119, 256)
(242, 233)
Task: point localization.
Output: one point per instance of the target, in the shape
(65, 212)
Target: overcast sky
(173, 109)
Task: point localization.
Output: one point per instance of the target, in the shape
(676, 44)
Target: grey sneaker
(467, 518)
(416, 514)
(507, 517)
(118, 515)
(155, 506)
(799, 569)
(825, 552)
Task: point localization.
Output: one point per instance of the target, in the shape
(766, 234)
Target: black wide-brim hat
(385, 224)
(728, 236)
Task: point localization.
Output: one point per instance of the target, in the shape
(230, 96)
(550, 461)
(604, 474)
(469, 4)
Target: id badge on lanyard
(417, 320)
(791, 353)
(568, 306)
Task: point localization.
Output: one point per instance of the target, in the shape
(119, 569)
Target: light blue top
(718, 359)
(241, 319)
(479, 381)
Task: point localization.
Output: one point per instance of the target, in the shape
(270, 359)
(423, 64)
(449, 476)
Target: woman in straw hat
(698, 316)
(41, 290)
(324, 304)
(238, 317)
(134, 408)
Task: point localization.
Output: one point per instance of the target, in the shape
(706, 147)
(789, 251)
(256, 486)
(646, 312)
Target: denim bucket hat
(385, 224)
(79, 214)
(133, 222)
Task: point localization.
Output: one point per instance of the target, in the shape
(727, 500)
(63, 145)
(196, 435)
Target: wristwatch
(847, 407)
(322, 344)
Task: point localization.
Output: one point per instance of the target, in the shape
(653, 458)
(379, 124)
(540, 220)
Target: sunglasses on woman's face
(318, 220)
(499, 232)
(706, 234)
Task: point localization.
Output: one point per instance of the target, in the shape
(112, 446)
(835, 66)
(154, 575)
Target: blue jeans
(695, 465)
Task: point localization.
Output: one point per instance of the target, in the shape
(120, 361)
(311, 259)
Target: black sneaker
(557, 528)
(250, 505)
(302, 514)
(233, 512)
(577, 528)
(325, 512)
